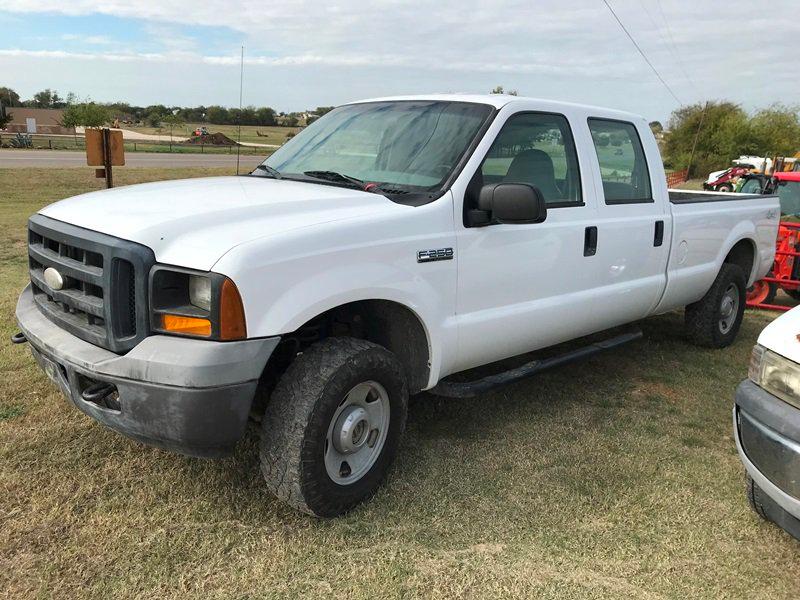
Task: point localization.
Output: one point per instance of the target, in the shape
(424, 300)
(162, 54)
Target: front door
(522, 287)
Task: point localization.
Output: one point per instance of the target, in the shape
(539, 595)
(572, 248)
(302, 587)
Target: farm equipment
(725, 181)
(785, 274)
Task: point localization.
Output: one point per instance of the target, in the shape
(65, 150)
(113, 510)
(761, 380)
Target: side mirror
(511, 203)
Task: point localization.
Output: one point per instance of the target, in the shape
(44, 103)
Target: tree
(265, 116)
(217, 115)
(776, 130)
(709, 136)
(154, 119)
(5, 118)
(47, 98)
(321, 111)
(85, 114)
(173, 120)
(9, 97)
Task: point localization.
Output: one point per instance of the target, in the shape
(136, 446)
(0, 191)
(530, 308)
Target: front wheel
(332, 425)
(715, 319)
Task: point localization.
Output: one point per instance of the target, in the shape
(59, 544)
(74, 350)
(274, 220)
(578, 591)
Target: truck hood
(193, 222)
(782, 336)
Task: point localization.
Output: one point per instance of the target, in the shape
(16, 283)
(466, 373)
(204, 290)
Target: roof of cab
(500, 100)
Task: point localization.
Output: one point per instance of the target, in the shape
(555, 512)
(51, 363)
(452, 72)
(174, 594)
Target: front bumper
(767, 433)
(190, 396)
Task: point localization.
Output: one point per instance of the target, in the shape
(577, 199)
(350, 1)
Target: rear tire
(754, 497)
(725, 188)
(714, 320)
(332, 426)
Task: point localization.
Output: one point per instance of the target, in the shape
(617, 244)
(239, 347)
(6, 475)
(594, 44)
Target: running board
(470, 389)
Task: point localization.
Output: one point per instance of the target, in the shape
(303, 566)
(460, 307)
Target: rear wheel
(725, 187)
(332, 425)
(714, 320)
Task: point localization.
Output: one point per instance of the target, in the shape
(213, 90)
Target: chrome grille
(103, 298)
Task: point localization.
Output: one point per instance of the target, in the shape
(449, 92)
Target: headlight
(775, 374)
(200, 291)
(188, 303)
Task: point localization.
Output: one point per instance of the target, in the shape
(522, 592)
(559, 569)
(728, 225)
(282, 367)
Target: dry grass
(613, 478)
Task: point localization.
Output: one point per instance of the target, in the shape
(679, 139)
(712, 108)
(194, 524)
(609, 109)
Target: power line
(674, 47)
(644, 56)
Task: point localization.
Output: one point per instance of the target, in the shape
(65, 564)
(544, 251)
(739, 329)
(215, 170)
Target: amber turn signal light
(186, 325)
(231, 313)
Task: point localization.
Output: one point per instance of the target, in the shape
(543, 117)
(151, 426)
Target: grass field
(272, 134)
(615, 478)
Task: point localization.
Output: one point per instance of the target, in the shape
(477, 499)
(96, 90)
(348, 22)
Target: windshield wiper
(334, 176)
(272, 172)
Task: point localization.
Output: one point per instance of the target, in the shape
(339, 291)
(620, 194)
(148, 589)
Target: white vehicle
(388, 245)
(766, 424)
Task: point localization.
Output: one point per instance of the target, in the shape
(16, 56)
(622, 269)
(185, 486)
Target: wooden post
(107, 157)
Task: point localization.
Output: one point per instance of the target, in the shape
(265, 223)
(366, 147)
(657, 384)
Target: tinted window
(537, 149)
(623, 166)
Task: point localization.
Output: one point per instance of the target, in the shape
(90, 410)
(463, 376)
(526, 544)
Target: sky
(301, 54)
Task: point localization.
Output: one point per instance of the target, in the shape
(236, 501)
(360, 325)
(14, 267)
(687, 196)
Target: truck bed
(693, 196)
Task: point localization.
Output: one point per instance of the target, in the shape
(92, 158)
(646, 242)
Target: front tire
(333, 425)
(714, 320)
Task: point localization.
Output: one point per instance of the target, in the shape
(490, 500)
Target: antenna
(239, 125)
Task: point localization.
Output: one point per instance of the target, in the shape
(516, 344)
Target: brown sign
(95, 151)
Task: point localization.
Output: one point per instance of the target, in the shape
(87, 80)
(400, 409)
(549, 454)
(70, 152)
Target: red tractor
(785, 274)
(725, 181)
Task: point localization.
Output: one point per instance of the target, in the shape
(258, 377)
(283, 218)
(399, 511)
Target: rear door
(633, 220)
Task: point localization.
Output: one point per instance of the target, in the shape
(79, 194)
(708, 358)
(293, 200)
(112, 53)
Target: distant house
(36, 120)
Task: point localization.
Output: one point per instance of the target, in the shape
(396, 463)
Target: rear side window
(623, 165)
(537, 149)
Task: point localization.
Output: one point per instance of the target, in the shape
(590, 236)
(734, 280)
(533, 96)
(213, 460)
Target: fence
(77, 142)
(677, 178)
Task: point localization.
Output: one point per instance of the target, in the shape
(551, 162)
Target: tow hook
(98, 392)
(18, 338)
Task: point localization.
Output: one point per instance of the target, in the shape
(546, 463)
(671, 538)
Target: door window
(537, 149)
(623, 165)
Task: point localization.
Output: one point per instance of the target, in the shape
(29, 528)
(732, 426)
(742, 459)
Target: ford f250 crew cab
(388, 245)
(766, 424)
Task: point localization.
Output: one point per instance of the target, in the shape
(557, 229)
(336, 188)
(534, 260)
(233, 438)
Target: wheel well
(389, 324)
(742, 254)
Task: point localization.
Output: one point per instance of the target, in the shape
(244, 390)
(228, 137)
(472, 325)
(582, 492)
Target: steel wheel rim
(357, 433)
(729, 308)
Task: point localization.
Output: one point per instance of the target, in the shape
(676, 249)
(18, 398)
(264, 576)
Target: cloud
(542, 47)
(93, 40)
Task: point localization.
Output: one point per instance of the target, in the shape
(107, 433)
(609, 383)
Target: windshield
(403, 146)
(789, 194)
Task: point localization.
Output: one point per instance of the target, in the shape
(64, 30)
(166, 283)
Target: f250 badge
(432, 255)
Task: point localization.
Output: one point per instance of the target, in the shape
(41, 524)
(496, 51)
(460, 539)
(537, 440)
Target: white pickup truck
(390, 244)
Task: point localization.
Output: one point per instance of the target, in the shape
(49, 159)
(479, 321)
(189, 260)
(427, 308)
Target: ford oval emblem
(53, 279)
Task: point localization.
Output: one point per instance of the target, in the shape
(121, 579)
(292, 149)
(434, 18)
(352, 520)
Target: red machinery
(785, 273)
(725, 181)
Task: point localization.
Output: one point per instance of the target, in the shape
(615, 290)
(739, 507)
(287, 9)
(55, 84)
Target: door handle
(658, 239)
(590, 241)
